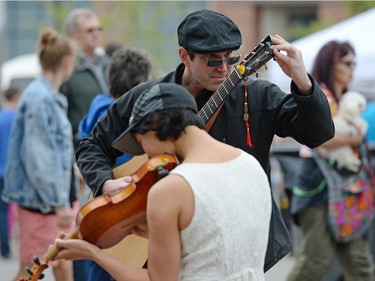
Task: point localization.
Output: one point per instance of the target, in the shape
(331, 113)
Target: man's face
(89, 33)
(210, 71)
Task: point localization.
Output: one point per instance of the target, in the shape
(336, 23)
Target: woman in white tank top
(209, 218)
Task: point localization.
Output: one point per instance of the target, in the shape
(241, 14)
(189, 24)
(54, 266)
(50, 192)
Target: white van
(19, 71)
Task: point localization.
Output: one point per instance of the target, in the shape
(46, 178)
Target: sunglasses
(219, 62)
(348, 63)
(93, 29)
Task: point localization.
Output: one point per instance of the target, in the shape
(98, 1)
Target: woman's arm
(75, 249)
(166, 200)
(340, 140)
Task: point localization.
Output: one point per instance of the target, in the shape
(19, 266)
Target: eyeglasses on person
(348, 63)
(219, 62)
(93, 29)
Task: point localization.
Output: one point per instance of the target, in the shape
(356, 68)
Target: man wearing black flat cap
(252, 114)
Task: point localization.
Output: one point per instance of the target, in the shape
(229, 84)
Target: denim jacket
(39, 170)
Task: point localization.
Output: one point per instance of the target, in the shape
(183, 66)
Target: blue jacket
(98, 108)
(39, 170)
(369, 116)
(6, 121)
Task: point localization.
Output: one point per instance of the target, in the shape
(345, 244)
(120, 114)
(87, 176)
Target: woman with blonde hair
(39, 173)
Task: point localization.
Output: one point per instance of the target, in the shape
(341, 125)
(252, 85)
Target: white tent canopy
(357, 31)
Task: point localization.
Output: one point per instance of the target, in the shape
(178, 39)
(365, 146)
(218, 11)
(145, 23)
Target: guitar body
(130, 167)
(132, 250)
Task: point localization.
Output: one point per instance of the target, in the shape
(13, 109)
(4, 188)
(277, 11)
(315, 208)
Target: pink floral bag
(351, 204)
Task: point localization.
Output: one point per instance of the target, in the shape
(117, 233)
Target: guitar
(117, 213)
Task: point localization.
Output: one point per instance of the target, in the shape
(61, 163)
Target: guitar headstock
(35, 272)
(258, 57)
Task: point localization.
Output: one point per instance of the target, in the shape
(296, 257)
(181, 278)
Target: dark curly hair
(169, 123)
(129, 67)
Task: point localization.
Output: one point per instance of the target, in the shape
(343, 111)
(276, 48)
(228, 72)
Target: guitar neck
(260, 55)
(217, 98)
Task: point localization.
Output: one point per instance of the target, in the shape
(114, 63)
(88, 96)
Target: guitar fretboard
(219, 96)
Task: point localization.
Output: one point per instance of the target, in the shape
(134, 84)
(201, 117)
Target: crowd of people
(213, 217)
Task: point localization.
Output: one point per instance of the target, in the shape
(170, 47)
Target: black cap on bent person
(159, 96)
(208, 32)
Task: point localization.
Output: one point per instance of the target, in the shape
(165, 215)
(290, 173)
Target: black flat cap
(208, 32)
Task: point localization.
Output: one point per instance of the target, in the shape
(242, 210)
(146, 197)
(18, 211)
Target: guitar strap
(211, 121)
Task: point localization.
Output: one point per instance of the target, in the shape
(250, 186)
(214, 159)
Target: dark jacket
(82, 87)
(271, 111)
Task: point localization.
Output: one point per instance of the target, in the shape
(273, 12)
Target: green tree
(58, 10)
(298, 30)
(150, 25)
(356, 7)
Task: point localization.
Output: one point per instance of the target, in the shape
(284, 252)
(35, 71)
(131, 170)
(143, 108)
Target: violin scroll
(35, 272)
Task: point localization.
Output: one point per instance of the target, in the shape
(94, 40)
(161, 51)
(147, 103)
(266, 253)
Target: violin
(107, 219)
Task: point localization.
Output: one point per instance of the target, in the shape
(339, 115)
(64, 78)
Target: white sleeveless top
(227, 237)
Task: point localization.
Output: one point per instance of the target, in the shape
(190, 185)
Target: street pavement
(9, 267)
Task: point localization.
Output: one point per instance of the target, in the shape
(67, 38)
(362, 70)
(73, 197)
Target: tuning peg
(265, 67)
(161, 172)
(36, 260)
(41, 276)
(29, 271)
(256, 74)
